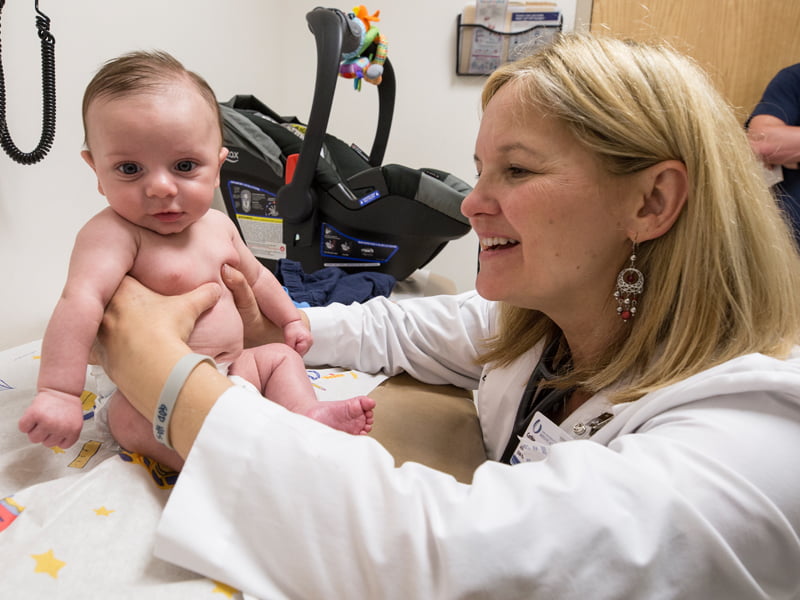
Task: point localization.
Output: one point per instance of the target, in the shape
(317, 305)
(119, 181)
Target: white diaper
(99, 383)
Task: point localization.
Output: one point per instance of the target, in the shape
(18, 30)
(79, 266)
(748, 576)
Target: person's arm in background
(774, 141)
(774, 125)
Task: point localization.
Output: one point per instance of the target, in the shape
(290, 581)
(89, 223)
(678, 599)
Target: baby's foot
(353, 415)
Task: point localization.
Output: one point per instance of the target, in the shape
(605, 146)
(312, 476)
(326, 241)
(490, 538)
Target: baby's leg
(279, 372)
(135, 433)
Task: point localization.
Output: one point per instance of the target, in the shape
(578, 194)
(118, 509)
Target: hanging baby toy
(357, 66)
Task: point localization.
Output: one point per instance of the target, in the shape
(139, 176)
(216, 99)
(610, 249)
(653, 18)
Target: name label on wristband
(159, 431)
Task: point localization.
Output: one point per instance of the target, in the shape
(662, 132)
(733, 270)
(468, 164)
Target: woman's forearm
(141, 340)
(198, 395)
(142, 381)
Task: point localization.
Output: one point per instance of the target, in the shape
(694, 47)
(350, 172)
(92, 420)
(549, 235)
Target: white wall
(261, 47)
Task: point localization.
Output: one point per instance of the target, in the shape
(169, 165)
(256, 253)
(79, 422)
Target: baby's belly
(219, 332)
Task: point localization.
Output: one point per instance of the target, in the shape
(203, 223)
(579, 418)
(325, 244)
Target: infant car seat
(296, 192)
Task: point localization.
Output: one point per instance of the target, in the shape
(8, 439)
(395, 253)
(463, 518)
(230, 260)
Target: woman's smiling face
(551, 221)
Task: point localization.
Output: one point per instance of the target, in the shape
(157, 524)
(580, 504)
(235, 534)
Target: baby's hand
(53, 419)
(297, 335)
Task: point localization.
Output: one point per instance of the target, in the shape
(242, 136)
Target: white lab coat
(690, 492)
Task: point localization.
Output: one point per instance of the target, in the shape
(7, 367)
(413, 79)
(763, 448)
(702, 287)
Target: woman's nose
(478, 202)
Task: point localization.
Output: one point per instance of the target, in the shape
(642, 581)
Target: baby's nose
(161, 185)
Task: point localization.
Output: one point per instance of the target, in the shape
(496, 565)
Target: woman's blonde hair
(723, 281)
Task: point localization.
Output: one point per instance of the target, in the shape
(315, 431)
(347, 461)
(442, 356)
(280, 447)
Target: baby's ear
(87, 156)
(223, 154)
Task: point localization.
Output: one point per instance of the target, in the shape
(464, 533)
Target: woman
(636, 296)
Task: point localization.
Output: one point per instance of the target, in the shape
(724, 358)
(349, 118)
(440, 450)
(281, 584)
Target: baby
(154, 140)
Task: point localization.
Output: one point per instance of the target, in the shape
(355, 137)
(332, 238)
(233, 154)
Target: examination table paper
(80, 522)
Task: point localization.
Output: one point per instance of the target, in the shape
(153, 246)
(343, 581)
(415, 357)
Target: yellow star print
(221, 588)
(102, 511)
(47, 563)
(57, 450)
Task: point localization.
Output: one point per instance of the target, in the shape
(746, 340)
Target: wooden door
(741, 43)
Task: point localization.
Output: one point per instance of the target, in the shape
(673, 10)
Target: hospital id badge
(535, 443)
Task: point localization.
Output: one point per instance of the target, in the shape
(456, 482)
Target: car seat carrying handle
(333, 34)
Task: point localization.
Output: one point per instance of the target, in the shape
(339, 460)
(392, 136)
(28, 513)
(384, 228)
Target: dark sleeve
(781, 97)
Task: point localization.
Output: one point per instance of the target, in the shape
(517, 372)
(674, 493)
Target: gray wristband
(172, 387)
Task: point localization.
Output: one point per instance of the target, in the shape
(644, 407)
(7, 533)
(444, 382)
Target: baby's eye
(185, 166)
(128, 168)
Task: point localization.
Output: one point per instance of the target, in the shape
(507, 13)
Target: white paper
(339, 384)
(487, 48)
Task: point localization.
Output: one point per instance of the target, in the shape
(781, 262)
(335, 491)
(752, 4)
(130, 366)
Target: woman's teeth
(496, 242)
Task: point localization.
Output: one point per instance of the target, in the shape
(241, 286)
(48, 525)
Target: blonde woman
(633, 340)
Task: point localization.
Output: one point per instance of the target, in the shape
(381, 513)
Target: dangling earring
(630, 283)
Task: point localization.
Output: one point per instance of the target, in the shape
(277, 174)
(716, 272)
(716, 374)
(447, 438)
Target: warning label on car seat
(256, 212)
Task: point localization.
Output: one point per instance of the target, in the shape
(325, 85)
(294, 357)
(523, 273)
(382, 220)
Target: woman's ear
(665, 189)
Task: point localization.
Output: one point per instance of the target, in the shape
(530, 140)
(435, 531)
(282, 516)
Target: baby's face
(157, 156)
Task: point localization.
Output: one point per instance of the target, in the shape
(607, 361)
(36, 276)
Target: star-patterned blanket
(80, 523)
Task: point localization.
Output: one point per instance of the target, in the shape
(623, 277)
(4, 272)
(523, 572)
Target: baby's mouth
(168, 217)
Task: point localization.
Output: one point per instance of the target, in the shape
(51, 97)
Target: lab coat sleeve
(433, 339)
(280, 506)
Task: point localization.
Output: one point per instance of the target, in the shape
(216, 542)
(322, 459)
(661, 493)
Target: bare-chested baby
(154, 140)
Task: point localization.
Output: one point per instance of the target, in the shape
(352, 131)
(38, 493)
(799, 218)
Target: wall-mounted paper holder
(480, 50)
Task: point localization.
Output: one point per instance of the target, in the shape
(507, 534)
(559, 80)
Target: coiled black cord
(48, 43)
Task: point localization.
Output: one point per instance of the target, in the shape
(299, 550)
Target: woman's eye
(128, 168)
(517, 171)
(185, 166)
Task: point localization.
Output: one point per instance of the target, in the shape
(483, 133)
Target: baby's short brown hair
(143, 71)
